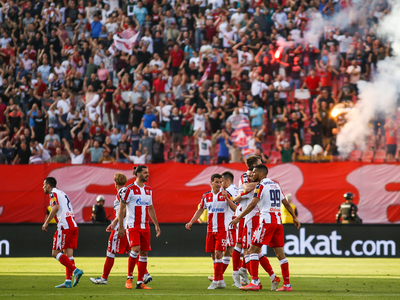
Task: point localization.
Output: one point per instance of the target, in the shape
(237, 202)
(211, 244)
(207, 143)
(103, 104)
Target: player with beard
(137, 200)
(66, 237)
(268, 197)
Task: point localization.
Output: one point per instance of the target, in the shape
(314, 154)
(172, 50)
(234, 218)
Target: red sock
(224, 267)
(218, 270)
(69, 271)
(254, 266)
(248, 267)
(225, 261)
(215, 271)
(132, 262)
(236, 260)
(243, 263)
(264, 262)
(142, 266)
(285, 272)
(107, 267)
(64, 260)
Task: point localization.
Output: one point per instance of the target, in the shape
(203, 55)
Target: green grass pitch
(186, 278)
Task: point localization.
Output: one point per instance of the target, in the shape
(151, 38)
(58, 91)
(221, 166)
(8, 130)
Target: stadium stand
(106, 78)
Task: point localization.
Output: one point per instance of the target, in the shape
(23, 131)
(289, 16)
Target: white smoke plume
(318, 25)
(377, 96)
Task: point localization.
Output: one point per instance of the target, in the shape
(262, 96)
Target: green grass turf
(186, 278)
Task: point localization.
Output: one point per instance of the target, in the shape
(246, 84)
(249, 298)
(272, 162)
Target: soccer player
(217, 202)
(116, 244)
(251, 222)
(227, 184)
(269, 197)
(66, 237)
(137, 199)
(244, 186)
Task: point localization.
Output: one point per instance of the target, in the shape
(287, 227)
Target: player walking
(137, 205)
(217, 202)
(116, 244)
(65, 238)
(268, 196)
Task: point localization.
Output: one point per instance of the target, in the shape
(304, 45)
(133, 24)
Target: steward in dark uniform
(98, 211)
(348, 211)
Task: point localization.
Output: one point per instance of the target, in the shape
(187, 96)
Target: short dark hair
(228, 175)
(251, 161)
(262, 168)
(51, 181)
(216, 175)
(138, 169)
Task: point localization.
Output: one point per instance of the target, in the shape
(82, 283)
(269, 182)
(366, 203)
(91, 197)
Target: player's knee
(54, 253)
(136, 249)
(143, 253)
(218, 254)
(228, 251)
(279, 253)
(281, 256)
(254, 249)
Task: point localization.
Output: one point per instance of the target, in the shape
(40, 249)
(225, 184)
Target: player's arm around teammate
(249, 186)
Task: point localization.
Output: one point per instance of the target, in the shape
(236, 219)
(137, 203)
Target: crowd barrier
(312, 240)
(317, 189)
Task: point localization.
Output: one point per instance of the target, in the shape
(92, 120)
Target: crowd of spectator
(197, 69)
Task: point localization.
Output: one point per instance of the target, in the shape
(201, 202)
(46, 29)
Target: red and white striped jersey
(233, 191)
(65, 216)
(243, 179)
(137, 200)
(117, 202)
(271, 196)
(217, 208)
(255, 213)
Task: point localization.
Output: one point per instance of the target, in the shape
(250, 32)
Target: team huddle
(240, 220)
(246, 227)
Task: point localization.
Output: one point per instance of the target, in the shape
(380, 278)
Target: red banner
(317, 189)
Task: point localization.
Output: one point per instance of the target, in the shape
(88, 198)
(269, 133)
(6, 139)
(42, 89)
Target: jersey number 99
(274, 196)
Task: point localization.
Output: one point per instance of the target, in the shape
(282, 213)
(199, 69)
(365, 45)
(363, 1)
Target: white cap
(100, 198)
